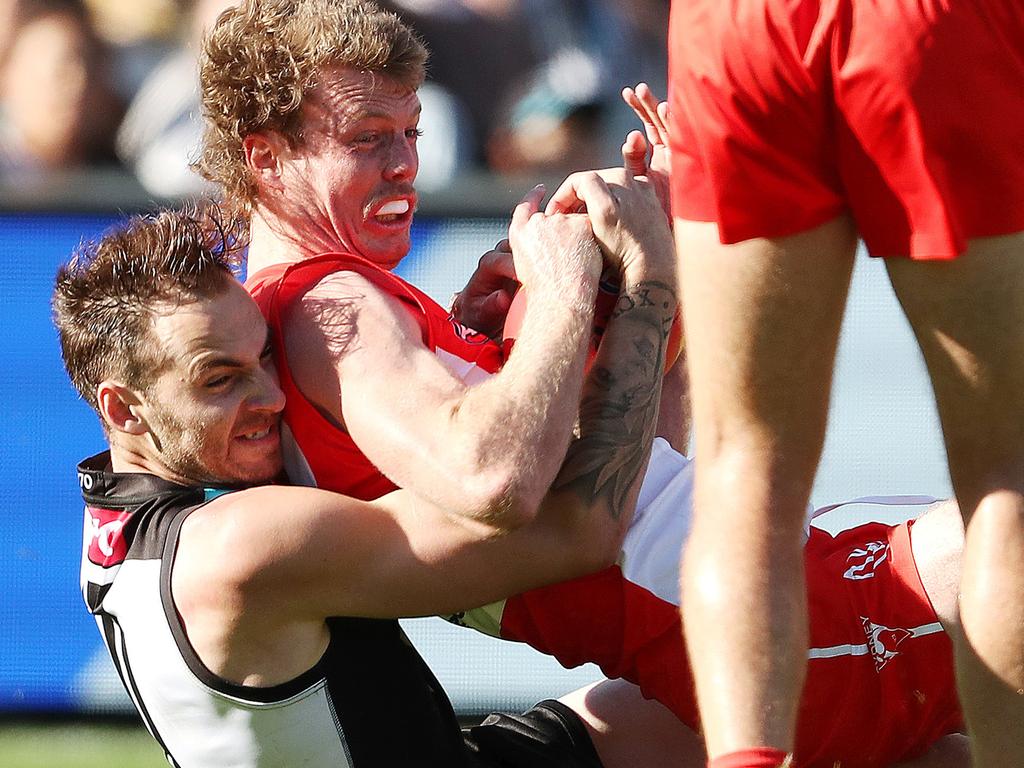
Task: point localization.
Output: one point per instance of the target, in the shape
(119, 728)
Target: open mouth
(257, 434)
(393, 211)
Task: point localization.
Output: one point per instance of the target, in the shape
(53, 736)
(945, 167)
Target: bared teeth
(394, 208)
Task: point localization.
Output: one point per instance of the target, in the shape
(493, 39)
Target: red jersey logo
(883, 641)
(864, 560)
(467, 334)
(107, 546)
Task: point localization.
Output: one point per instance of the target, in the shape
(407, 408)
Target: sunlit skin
(214, 406)
(348, 184)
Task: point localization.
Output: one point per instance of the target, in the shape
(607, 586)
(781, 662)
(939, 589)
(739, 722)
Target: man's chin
(387, 252)
(251, 479)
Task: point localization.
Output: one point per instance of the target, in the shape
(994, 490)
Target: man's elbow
(497, 498)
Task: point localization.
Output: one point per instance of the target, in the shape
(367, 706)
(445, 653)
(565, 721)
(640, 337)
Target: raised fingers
(652, 113)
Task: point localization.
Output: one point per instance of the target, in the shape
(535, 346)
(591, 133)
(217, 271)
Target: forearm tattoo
(619, 407)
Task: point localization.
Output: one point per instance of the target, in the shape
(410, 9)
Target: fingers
(653, 113)
(568, 197)
(594, 193)
(642, 109)
(529, 206)
(498, 264)
(663, 117)
(496, 305)
(634, 154)
(565, 199)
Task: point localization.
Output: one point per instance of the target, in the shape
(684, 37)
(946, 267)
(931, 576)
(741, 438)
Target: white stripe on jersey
(832, 651)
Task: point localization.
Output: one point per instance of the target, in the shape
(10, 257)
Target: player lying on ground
(254, 626)
(880, 686)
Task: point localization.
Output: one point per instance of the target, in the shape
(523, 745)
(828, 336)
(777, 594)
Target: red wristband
(758, 757)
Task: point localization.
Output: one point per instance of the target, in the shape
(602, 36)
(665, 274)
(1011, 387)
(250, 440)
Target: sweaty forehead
(347, 95)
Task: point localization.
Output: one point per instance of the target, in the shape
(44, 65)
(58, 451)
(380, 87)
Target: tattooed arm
(618, 412)
(620, 402)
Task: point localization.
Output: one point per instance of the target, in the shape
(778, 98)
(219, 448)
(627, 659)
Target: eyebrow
(371, 114)
(210, 363)
(226, 361)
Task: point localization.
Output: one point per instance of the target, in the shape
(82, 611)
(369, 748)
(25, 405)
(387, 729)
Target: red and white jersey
(317, 452)
(880, 684)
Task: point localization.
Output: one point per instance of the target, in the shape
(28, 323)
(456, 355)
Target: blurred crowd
(514, 87)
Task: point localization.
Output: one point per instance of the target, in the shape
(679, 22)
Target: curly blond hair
(263, 57)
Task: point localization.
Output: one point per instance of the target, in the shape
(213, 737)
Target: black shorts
(548, 736)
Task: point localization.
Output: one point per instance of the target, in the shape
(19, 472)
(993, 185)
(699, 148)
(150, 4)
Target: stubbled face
(351, 177)
(214, 408)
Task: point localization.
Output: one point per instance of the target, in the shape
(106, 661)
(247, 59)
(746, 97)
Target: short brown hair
(264, 56)
(105, 294)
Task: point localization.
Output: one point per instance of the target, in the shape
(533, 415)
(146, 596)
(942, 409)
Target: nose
(267, 393)
(403, 160)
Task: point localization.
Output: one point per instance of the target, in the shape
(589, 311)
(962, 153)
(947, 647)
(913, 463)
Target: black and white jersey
(369, 701)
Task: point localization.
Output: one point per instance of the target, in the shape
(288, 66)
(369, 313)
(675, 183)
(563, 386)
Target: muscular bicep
(359, 356)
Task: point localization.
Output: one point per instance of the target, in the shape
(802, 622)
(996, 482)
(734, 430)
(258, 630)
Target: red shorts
(880, 686)
(907, 113)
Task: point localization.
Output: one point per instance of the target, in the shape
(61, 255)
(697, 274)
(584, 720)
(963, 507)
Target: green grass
(77, 745)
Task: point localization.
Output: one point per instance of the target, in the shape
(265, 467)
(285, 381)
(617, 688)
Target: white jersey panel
(201, 727)
(661, 526)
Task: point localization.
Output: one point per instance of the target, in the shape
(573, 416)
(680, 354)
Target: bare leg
(762, 322)
(937, 542)
(629, 730)
(969, 319)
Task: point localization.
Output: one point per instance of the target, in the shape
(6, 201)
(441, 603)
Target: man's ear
(121, 408)
(263, 155)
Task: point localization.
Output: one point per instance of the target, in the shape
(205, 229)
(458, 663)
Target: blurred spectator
(128, 22)
(477, 49)
(568, 114)
(161, 133)
(7, 11)
(541, 79)
(57, 109)
(141, 34)
(551, 124)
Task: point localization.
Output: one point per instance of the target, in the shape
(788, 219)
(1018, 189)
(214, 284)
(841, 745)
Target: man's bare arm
(618, 413)
(477, 450)
(298, 555)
